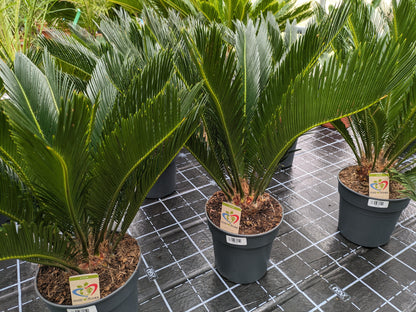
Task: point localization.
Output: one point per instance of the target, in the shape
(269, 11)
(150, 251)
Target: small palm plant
(75, 166)
(382, 137)
(262, 93)
(263, 89)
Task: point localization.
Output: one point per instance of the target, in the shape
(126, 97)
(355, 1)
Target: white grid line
(159, 289)
(360, 279)
(19, 288)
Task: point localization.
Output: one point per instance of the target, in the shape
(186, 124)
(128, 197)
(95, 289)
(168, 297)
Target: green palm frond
(22, 85)
(16, 202)
(60, 178)
(118, 32)
(130, 5)
(72, 56)
(8, 149)
(401, 26)
(160, 119)
(290, 11)
(217, 66)
(38, 243)
(345, 90)
(407, 179)
(181, 121)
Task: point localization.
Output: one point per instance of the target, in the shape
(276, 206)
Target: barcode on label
(86, 309)
(378, 203)
(241, 241)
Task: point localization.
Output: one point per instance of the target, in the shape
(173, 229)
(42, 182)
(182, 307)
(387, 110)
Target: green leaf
(38, 243)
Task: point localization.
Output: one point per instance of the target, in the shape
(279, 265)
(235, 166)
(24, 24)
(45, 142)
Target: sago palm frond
(39, 243)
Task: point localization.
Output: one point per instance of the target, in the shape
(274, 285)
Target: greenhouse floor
(312, 267)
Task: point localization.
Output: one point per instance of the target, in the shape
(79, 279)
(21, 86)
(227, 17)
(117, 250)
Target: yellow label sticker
(84, 288)
(379, 185)
(230, 218)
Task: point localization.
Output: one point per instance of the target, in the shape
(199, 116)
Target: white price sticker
(241, 241)
(378, 203)
(86, 309)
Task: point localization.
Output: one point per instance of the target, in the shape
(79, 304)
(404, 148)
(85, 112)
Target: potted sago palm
(74, 169)
(375, 191)
(260, 96)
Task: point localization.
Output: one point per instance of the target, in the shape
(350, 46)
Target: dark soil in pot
(351, 178)
(113, 270)
(254, 220)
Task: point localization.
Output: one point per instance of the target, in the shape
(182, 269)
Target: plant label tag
(240, 241)
(84, 288)
(86, 309)
(378, 203)
(379, 185)
(230, 218)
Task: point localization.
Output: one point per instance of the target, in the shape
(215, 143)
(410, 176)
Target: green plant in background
(76, 166)
(90, 12)
(21, 22)
(262, 93)
(82, 54)
(382, 137)
(225, 12)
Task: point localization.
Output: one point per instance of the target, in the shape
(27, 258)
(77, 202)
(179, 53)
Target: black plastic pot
(3, 219)
(241, 258)
(123, 299)
(364, 224)
(287, 159)
(166, 183)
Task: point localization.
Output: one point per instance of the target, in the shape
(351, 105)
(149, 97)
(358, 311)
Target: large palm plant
(382, 137)
(74, 167)
(262, 94)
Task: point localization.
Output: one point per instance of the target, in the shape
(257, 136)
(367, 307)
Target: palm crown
(382, 137)
(75, 166)
(263, 89)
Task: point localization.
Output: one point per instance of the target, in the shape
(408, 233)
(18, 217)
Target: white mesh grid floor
(312, 267)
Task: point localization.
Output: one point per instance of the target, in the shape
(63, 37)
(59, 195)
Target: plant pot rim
(113, 294)
(247, 235)
(366, 196)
